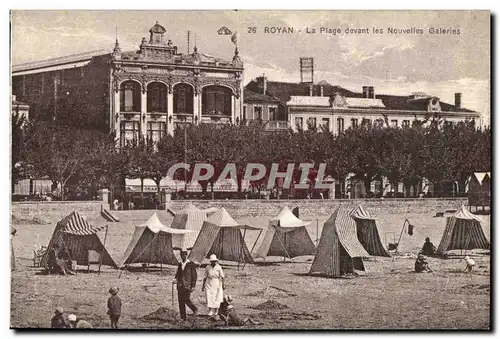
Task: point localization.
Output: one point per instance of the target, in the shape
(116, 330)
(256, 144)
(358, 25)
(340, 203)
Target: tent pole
(241, 248)
(317, 231)
(102, 252)
(284, 248)
(255, 243)
(145, 248)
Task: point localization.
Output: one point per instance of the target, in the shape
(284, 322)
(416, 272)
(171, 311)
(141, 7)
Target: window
(257, 112)
(157, 97)
(340, 125)
(183, 99)
(130, 97)
(156, 131)
(366, 122)
(311, 122)
(379, 123)
(406, 123)
(129, 131)
(394, 123)
(272, 113)
(299, 122)
(216, 100)
(326, 123)
(354, 123)
(244, 112)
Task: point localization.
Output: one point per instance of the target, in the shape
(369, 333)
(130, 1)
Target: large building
(147, 92)
(337, 108)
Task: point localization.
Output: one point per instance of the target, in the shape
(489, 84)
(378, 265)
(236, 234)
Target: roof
(248, 95)
(285, 90)
(72, 58)
(157, 28)
(287, 219)
(75, 224)
(480, 176)
(463, 213)
(360, 213)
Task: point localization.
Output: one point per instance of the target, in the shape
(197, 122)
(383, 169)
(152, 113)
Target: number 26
(252, 29)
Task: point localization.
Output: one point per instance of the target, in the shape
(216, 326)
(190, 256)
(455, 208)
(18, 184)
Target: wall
(244, 208)
(315, 208)
(48, 210)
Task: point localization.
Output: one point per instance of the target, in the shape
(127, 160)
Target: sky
(394, 63)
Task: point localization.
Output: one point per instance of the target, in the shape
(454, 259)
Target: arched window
(216, 100)
(183, 98)
(340, 125)
(157, 97)
(130, 97)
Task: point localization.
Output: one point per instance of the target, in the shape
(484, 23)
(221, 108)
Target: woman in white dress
(213, 284)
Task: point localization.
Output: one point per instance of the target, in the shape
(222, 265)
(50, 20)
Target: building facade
(336, 108)
(265, 109)
(143, 93)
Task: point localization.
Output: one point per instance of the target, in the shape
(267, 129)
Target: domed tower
(156, 34)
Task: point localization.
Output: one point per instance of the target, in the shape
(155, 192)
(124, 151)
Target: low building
(264, 109)
(337, 108)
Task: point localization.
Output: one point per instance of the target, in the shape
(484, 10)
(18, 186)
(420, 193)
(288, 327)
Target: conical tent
(463, 232)
(286, 236)
(152, 244)
(78, 237)
(339, 250)
(221, 235)
(190, 218)
(366, 229)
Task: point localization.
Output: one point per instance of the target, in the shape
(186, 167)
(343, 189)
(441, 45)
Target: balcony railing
(276, 125)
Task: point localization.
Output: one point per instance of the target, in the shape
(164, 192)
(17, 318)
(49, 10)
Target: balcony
(275, 125)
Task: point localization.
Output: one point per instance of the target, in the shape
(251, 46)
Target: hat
(114, 290)
(213, 257)
(59, 310)
(72, 317)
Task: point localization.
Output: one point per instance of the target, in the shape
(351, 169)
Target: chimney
(371, 92)
(458, 100)
(310, 90)
(365, 91)
(321, 90)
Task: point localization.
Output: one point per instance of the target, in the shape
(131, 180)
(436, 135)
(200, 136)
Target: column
(170, 110)
(233, 109)
(332, 191)
(196, 108)
(116, 112)
(144, 108)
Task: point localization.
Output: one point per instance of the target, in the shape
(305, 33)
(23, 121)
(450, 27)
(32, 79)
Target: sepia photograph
(251, 170)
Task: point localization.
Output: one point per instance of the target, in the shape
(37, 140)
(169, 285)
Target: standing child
(114, 307)
(470, 264)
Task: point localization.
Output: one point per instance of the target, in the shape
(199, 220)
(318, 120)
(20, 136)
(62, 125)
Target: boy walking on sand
(114, 307)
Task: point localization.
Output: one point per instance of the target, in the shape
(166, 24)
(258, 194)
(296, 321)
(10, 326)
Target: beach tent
(151, 244)
(339, 250)
(221, 235)
(366, 229)
(190, 218)
(463, 232)
(81, 239)
(286, 236)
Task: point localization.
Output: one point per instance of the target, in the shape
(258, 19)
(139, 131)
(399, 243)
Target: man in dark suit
(185, 278)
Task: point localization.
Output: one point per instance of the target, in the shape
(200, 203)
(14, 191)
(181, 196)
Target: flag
(234, 38)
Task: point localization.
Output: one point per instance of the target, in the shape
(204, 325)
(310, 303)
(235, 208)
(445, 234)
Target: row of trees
(91, 159)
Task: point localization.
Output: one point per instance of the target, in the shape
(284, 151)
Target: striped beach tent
(366, 229)
(190, 218)
(75, 234)
(286, 236)
(463, 232)
(339, 250)
(221, 235)
(151, 243)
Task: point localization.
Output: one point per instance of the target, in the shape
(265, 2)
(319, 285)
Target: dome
(157, 28)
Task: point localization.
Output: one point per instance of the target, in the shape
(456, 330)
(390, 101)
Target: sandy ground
(390, 296)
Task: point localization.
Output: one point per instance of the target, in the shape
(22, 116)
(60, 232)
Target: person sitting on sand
(428, 248)
(230, 316)
(60, 320)
(469, 264)
(77, 322)
(421, 264)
